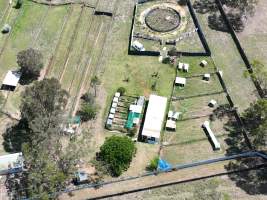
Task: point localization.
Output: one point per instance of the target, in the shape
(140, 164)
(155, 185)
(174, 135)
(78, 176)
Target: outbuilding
(170, 125)
(11, 80)
(11, 163)
(179, 81)
(206, 77)
(203, 63)
(154, 118)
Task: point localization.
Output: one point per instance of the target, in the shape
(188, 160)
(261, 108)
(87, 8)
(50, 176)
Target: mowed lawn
(138, 70)
(228, 59)
(195, 85)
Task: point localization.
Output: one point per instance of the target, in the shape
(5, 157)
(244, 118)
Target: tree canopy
(30, 63)
(117, 152)
(49, 164)
(255, 119)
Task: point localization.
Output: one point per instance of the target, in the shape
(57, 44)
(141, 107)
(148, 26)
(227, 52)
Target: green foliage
(95, 81)
(38, 135)
(88, 98)
(121, 90)
(117, 152)
(30, 63)
(153, 165)
(18, 4)
(88, 112)
(166, 60)
(255, 119)
(132, 132)
(44, 99)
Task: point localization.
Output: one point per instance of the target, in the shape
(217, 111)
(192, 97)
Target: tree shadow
(15, 136)
(252, 182)
(205, 6)
(27, 79)
(216, 22)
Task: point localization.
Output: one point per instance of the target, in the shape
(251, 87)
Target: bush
(153, 165)
(132, 132)
(88, 98)
(87, 112)
(30, 63)
(18, 4)
(117, 152)
(121, 90)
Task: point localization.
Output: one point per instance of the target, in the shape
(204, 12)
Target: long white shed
(154, 118)
(215, 142)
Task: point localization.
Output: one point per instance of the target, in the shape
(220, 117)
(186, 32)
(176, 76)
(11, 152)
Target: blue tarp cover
(163, 165)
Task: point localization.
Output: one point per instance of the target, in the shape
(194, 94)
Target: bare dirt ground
(174, 177)
(254, 37)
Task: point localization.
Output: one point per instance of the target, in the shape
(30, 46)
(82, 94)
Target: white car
(138, 46)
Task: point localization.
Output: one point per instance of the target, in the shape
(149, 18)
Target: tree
(255, 120)
(44, 99)
(95, 82)
(30, 63)
(117, 152)
(121, 90)
(88, 98)
(49, 164)
(237, 12)
(18, 4)
(88, 111)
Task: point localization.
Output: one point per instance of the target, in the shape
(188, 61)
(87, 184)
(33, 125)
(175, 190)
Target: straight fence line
(239, 48)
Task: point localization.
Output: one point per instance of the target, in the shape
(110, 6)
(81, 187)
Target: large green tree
(49, 164)
(117, 152)
(255, 119)
(30, 62)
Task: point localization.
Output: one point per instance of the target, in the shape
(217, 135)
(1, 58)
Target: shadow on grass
(27, 79)
(252, 181)
(15, 136)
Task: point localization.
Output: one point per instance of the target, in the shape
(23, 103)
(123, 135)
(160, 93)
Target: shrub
(117, 152)
(153, 165)
(132, 132)
(88, 98)
(30, 63)
(121, 90)
(87, 112)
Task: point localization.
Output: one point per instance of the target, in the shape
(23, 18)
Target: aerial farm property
(123, 99)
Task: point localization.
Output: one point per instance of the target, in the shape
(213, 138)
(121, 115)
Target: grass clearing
(227, 59)
(190, 144)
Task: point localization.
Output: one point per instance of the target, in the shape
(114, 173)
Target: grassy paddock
(190, 143)
(227, 59)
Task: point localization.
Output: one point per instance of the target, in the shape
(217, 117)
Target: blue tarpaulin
(163, 165)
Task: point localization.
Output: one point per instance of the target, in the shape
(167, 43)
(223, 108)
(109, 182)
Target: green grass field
(227, 59)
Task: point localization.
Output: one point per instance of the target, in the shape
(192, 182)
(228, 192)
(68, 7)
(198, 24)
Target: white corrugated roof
(11, 161)
(154, 116)
(12, 78)
(180, 80)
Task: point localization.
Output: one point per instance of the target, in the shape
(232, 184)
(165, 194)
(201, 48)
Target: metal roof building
(154, 118)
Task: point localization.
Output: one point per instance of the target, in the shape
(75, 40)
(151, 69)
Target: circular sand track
(163, 19)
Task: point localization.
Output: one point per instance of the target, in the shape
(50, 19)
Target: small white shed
(203, 63)
(11, 80)
(206, 77)
(179, 81)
